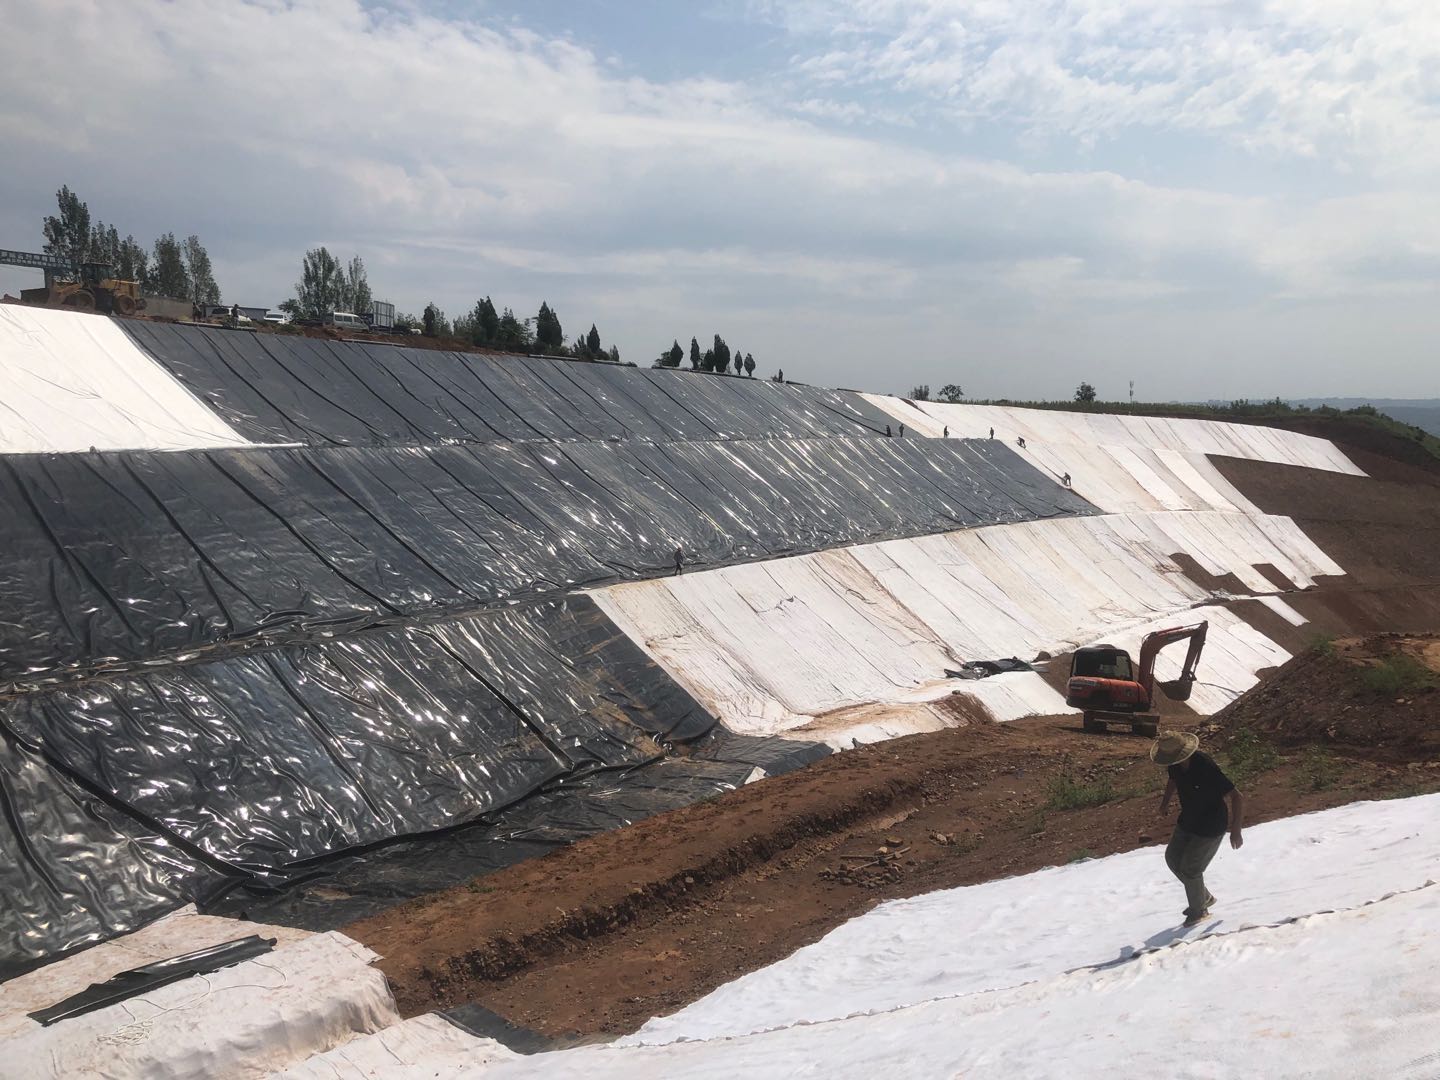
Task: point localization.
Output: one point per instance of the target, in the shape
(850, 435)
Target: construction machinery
(86, 287)
(1110, 689)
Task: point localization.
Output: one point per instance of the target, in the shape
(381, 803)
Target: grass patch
(1249, 755)
(1068, 793)
(1318, 770)
(1323, 644)
(1397, 673)
(1081, 855)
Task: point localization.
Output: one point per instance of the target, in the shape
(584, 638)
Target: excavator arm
(1150, 649)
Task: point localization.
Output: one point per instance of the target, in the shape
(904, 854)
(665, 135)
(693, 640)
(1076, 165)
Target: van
(344, 320)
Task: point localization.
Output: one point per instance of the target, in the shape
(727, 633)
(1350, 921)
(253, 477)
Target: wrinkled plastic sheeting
(281, 388)
(128, 556)
(367, 883)
(269, 759)
(73, 869)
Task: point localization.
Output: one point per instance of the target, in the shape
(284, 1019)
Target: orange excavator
(1108, 688)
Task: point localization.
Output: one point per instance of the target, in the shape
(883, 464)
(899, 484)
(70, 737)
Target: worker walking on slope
(1204, 791)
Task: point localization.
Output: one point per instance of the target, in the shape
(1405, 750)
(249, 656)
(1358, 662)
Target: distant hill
(1424, 413)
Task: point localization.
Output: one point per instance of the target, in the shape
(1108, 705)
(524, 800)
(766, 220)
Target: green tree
(674, 356)
(321, 288)
(355, 288)
(511, 333)
(707, 362)
(695, 357)
(592, 341)
(168, 276)
(951, 392)
(68, 233)
(132, 262)
(1085, 392)
(920, 393)
(749, 365)
(614, 355)
(203, 288)
(721, 355)
(104, 244)
(489, 320)
(435, 323)
(464, 327)
(548, 333)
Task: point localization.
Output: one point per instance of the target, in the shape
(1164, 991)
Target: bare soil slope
(1378, 696)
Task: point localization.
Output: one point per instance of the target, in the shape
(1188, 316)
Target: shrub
(1249, 755)
(1068, 793)
(1318, 770)
(1397, 672)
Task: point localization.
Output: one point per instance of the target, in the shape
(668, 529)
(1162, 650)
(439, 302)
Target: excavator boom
(1150, 649)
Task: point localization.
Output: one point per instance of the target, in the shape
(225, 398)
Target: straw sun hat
(1173, 747)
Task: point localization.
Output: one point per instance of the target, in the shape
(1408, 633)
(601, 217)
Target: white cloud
(466, 158)
(1350, 78)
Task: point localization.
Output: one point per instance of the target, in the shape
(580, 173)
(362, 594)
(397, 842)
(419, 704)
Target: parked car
(345, 320)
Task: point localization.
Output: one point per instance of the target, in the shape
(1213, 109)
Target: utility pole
(1132, 391)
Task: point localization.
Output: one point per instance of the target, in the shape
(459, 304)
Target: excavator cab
(1106, 686)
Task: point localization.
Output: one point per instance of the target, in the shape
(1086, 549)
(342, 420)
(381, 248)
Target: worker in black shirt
(1204, 792)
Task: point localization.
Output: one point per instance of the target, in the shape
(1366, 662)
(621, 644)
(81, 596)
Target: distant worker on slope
(1204, 791)
(1065, 479)
(1020, 441)
(992, 433)
(947, 432)
(679, 559)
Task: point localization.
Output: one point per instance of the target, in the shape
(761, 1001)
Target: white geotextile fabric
(75, 381)
(311, 993)
(1319, 962)
(794, 645)
(1038, 926)
(1341, 996)
(1126, 463)
(426, 1046)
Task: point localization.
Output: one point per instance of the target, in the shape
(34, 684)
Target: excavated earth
(595, 938)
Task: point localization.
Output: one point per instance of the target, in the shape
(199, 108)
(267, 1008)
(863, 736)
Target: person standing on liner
(1204, 791)
(679, 559)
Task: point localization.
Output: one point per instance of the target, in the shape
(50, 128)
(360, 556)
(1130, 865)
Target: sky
(1210, 198)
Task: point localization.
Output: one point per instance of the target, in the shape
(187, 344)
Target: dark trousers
(1188, 855)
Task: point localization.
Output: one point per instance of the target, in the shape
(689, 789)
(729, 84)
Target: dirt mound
(1377, 695)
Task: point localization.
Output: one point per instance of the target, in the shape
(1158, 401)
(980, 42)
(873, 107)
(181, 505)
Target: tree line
(182, 269)
(719, 358)
(950, 392)
(493, 328)
(169, 267)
